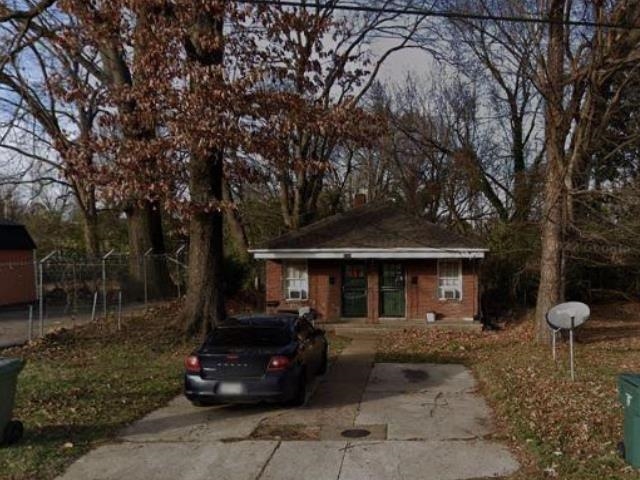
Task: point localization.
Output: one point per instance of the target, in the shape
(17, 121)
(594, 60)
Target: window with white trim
(449, 279)
(296, 280)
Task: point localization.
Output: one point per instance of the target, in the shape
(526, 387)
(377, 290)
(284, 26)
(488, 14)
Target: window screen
(449, 280)
(296, 281)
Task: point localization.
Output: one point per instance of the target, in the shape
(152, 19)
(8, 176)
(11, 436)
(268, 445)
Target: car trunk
(234, 364)
(241, 352)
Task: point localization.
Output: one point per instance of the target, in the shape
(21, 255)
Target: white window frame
(451, 288)
(302, 280)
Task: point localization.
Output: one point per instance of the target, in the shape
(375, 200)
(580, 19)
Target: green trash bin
(10, 430)
(629, 391)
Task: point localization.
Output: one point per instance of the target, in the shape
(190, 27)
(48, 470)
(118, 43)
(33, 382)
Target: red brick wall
(422, 297)
(273, 283)
(325, 289)
(324, 294)
(17, 277)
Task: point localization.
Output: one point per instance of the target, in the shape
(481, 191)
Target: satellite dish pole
(573, 321)
(567, 316)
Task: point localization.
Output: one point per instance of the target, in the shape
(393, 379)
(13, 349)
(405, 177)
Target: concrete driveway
(425, 421)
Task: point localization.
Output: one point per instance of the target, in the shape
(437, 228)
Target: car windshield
(249, 337)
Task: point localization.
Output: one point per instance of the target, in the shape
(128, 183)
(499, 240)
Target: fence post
(178, 272)
(119, 309)
(41, 292)
(104, 282)
(144, 268)
(93, 308)
(74, 298)
(30, 322)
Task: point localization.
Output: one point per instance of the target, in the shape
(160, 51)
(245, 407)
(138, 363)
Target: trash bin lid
(632, 378)
(10, 365)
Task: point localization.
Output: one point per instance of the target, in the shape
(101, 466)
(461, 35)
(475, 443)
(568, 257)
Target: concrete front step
(389, 326)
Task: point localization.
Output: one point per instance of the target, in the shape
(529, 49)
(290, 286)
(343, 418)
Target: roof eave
(364, 253)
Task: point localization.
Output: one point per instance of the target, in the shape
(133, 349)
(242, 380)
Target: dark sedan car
(258, 358)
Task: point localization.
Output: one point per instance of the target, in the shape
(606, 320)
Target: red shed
(17, 265)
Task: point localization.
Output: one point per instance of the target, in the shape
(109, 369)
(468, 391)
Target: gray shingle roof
(14, 236)
(375, 225)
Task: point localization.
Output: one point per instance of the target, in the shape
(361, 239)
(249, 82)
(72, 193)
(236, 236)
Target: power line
(442, 14)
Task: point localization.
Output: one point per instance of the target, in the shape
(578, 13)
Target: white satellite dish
(567, 316)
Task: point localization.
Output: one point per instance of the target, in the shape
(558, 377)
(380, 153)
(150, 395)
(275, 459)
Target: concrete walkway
(426, 422)
(336, 398)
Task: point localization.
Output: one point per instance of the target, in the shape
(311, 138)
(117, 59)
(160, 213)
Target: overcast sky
(400, 63)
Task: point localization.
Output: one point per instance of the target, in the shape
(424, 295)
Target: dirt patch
(414, 375)
(286, 432)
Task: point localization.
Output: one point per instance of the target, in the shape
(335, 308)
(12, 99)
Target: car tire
(300, 397)
(324, 362)
(13, 432)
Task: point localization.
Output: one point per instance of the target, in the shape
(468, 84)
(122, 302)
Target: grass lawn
(80, 387)
(558, 428)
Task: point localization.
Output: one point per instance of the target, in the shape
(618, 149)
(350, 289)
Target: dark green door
(392, 290)
(354, 290)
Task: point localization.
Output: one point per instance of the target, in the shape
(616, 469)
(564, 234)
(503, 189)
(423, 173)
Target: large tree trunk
(145, 234)
(550, 288)
(90, 234)
(236, 227)
(86, 201)
(204, 302)
(552, 223)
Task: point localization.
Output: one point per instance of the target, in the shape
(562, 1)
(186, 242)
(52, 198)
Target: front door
(354, 290)
(392, 290)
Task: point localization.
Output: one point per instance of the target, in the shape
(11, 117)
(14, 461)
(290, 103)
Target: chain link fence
(61, 290)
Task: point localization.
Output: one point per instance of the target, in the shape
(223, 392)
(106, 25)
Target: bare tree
(575, 79)
(46, 134)
(334, 48)
(435, 147)
(15, 25)
(498, 59)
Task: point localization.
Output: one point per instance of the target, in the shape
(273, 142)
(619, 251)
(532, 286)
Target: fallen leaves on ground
(560, 428)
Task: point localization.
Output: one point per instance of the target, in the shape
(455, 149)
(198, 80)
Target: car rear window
(249, 337)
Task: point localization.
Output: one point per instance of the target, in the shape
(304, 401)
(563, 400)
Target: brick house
(374, 262)
(17, 264)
